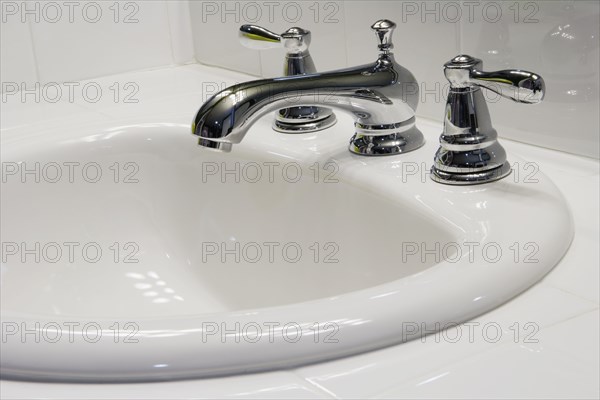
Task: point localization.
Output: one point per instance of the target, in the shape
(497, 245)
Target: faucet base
(470, 178)
(303, 119)
(369, 141)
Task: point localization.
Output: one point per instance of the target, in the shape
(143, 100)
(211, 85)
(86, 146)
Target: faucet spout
(381, 96)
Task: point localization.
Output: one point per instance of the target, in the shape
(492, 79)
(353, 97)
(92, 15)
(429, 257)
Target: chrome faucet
(469, 151)
(382, 97)
(298, 61)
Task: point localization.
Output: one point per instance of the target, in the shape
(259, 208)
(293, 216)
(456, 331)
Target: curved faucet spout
(381, 96)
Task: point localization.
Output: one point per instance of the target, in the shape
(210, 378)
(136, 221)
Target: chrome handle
(298, 61)
(295, 40)
(258, 38)
(384, 29)
(469, 151)
(520, 86)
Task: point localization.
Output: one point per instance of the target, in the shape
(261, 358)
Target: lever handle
(298, 61)
(384, 28)
(295, 40)
(521, 86)
(258, 38)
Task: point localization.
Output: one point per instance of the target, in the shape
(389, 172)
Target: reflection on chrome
(298, 61)
(469, 151)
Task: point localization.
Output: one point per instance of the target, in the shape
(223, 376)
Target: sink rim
(376, 308)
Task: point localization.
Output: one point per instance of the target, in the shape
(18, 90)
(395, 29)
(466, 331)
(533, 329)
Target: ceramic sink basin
(178, 262)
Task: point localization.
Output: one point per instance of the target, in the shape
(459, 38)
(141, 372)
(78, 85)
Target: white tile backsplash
(127, 36)
(215, 29)
(69, 41)
(180, 27)
(559, 41)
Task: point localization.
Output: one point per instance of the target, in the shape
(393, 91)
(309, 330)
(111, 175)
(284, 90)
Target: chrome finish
(382, 97)
(384, 29)
(217, 146)
(469, 151)
(521, 86)
(401, 137)
(298, 61)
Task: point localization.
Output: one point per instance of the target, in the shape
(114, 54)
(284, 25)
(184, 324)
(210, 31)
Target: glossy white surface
(175, 207)
(566, 293)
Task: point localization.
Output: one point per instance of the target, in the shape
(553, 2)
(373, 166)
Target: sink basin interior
(168, 226)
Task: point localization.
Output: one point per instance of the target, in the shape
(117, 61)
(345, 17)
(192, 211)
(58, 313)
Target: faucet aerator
(221, 147)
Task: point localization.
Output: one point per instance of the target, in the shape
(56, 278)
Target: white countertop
(548, 343)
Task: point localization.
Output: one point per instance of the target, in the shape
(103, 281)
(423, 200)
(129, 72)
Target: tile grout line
(314, 385)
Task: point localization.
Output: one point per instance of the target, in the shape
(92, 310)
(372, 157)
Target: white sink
(181, 312)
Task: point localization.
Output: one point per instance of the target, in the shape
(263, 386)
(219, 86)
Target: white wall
(52, 42)
(557, 39)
